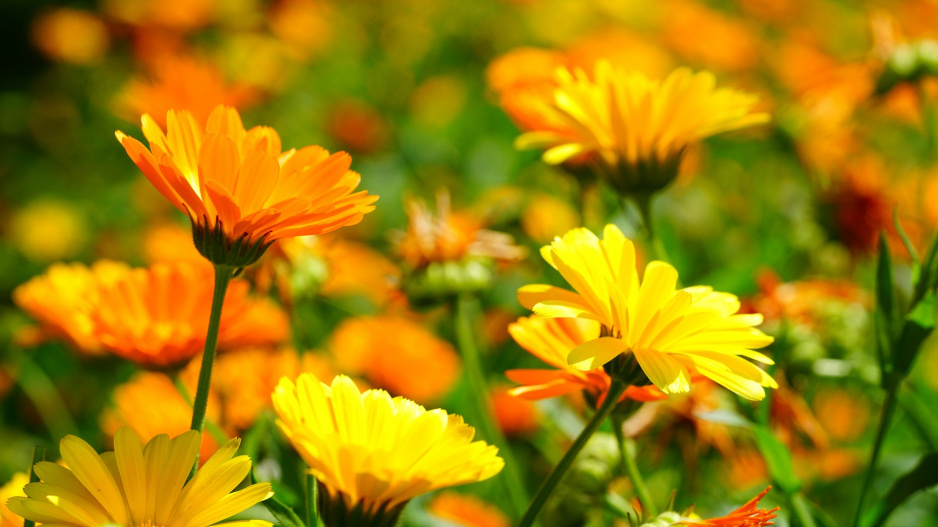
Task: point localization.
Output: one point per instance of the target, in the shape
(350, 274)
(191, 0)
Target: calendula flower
(636, 129)
(158, 316)
(671, 333)
(141, 485)
(462, 510)
(372, 453)
(14, 487)
(749, 515)
(63, 299)
(551, 339)
(514, 416)
(240, 191)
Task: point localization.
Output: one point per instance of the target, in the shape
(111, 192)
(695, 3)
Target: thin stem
(626, 447)
(223, 275)
(802, 510)
(466, 307)
(547, 488)
(40, 389)
(889, 407)
(39, 454)
(312, 489)
(655, 247)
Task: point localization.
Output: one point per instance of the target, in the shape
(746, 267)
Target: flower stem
(41, 390)
(889, 407)
(39, 454)
(655, 247)
(312, 499)
(802, 510)
(547, 488)
(223, 275)
(466, 307)
(626, 447)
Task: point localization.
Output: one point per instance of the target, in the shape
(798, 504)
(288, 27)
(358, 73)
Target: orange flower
(463, 510)
(244, 380)
(150, 404)
(170, 242)
(181, 82)
(63, 299)
(303, 25)
(551, 341)
(176, 15)
(14, 487)
(397, 355)
(800, 301)
(240, 191)
(546, 216)
(746, 516)
(844, 414)
(514, 416)
(357, 126)
(720, 42)
(71, 35)
(158, 317)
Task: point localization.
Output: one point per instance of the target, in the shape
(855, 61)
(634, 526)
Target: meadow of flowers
(443, 263)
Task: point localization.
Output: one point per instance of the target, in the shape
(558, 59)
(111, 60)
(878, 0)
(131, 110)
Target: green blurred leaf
(778, 459)
(919, 324)
(284, 515)
(924, 277)
(923, 476)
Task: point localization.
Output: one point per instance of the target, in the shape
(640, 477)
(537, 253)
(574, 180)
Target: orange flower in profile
(513, 415)
(244, 380)
(397, 355)
(63, 299)
(150, 404)
(14, 487)
(71, 35)
(240, 191)
(463, 510)
(181, 82)
(158, 317)
(746, 516)
(551, 340)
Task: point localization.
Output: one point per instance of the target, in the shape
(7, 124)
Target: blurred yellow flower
(545, 216)
(415, 363)
(463, 510)
(635, 129)
(142, 485)
(671, 333)
(168, 243)
(240, 185)
(48, 230)
(375, 452)
(158, 316)
(63, 300)
(14, 487)
(150, 405)
(71, 35)
(303, 25)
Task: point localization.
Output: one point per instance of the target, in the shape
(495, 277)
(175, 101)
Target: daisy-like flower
(635, 129)
(551, 339)
(239, 189)
(671, 333)
(158, 316)
(14, 487)
(373, 453)
(749, 515)
(141, 485)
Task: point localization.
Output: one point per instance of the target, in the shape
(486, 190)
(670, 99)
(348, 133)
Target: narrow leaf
(919, 324)
(777, 459)
(923, 476)
(279, 510)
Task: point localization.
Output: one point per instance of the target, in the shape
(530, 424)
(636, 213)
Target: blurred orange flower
(158, 317)
(357, 126)
(720, 42)
(14, 487)
(844, 414)
(177, 15)
(170, 242)
(514, 415)
(181, 82)
(799, 301)
(71, 35)
(397, 355)
(551, 340)
(63, 300)
(303, 25)
(239, 182)
(150, 404)
(746, 516)
(244, 380)
(463, 510)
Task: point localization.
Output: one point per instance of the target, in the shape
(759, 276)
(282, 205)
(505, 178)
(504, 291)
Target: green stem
(39, 454)
(223, 275)
(466, 308)
(547, 488)
(655, 247)
(626, 448)
(802, 510)
(312, 488)
(889, 407)
(40, 389)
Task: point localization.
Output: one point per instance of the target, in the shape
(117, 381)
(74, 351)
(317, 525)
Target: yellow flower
(371, 451)
(240, 190)
(633, 128)
(71, 35)
(48, 230)
(141, 486)
(671, 333)
(14, 487)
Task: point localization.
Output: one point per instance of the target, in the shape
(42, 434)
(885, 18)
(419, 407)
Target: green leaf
(777, 459)
(919, 324)
(885, 307)
(279, 510)
(921, 477)
(924, 280)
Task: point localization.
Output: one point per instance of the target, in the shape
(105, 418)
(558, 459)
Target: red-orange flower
(551, 340)
(158, 316)
(463, 510)
(746, 516)
(239, 183)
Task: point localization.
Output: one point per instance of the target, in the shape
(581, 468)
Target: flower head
(746, 516)
(373, 452)
(141, 485)
(240, 190)
(637, 129)
(671, 333)
(551, 339)
(14, 487)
